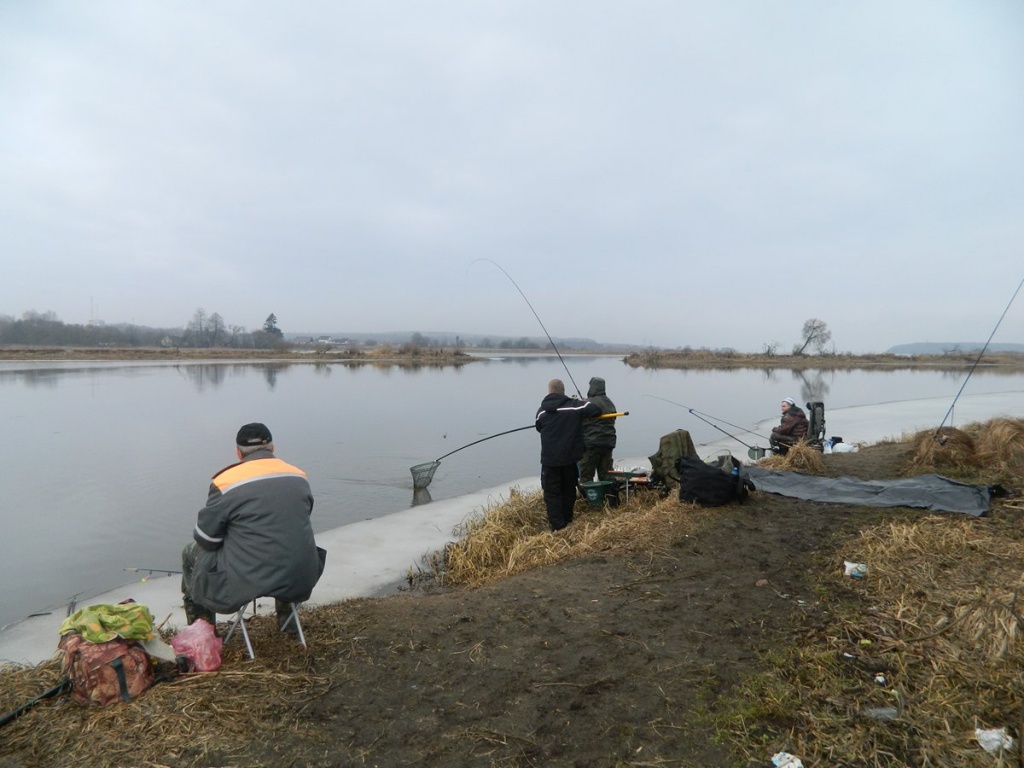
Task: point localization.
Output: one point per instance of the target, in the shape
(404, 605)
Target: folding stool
(239, 621)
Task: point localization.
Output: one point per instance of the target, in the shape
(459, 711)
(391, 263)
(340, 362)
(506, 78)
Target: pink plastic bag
(198, 642)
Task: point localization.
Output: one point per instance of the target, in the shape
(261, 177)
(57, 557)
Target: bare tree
(216, 330)
(815, 335)
(195, 331)
(238, 336)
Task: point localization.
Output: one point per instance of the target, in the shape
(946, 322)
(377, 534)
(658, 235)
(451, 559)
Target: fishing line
(978, 360)
(699, 414)
(552, 341)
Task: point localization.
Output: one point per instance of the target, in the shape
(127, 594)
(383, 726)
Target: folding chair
(816, 424)
(239, 622)
(815, 436)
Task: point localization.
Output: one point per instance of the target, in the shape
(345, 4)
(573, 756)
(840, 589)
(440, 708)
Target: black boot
(285, 623)
(195, 611)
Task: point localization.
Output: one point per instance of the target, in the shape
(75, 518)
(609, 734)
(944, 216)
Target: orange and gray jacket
(255, 535)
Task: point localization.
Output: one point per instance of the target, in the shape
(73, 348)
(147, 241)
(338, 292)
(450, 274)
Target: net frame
(423, 473)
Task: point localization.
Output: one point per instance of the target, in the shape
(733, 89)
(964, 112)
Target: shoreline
(373, 558)
(441, 356)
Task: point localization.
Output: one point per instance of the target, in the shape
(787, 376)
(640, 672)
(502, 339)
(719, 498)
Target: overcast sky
(655, 172)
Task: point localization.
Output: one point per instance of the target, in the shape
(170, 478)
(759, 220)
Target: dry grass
(939, 616)
(943, 629)
(800, 458)
(989, 450)
(198, 719)
(513, 536)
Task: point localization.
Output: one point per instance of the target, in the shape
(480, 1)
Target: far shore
(715, 359)
(409, 354)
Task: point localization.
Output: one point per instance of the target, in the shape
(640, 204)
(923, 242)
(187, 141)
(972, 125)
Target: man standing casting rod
(560, 423)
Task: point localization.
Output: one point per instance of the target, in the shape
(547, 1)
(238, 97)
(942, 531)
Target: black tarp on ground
(933, 492)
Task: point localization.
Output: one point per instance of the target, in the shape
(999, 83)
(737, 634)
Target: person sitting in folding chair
(791, 429)
(254, 537)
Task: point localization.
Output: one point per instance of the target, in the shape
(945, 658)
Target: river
(106, 464)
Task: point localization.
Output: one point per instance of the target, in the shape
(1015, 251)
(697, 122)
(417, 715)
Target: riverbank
(652, 654)
(307, 354)
(410, 354)
(724, 360)
(374, 556)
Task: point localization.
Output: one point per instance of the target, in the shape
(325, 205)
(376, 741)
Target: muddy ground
(620, 659)
(603, 661)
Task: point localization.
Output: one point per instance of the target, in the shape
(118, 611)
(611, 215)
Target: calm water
(106, 465)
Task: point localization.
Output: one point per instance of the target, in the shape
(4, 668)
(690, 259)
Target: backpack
(670, 448)
(711, 485)
(106, 673)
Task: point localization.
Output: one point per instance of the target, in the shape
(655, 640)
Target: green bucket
(596, 491)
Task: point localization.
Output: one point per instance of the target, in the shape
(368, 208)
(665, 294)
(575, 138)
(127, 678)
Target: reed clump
(989, 450)
(947, 449)
(800, 458)
(513, 536)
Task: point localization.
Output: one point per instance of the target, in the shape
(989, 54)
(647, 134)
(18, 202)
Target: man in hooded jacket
(598, 435)
(792, 427)
(560, 423)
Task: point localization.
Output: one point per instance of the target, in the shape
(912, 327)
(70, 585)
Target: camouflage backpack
(106, 673)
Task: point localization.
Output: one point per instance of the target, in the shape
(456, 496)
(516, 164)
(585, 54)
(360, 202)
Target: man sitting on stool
(253, 538)
(792, 428)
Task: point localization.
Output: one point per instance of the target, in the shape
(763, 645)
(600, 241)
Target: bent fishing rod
(700, 415)
(423, 473)
(951, 405)
(520, 429)
(550, 340)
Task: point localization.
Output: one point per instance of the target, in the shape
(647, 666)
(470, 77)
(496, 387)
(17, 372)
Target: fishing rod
(552, 341)
(700, 414)
(978, 360)
(519, 429)
(150, 571)
(63, 685)
(423, 473)
(482, 439)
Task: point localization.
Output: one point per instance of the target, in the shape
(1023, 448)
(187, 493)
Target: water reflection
(203, 376)
(420, 496)
(270, 373)
(41, 378)
(812, 384)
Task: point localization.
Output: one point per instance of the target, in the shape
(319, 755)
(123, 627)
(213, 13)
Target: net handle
(520, 429)
(491, 437)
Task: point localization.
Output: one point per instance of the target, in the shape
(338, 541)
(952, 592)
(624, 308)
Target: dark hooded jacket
(599, 433)
(255, 536)
(560, 423)
(793, 424)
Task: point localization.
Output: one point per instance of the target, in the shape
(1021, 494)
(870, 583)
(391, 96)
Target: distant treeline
(46, 329)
